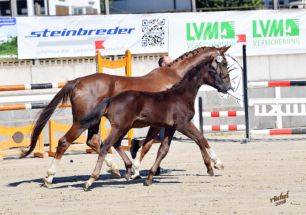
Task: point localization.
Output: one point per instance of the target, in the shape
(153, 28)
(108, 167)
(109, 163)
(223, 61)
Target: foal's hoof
(46, 183)
(127, 176)
(148, 183)
(211, 173)
(135, 177)
(86, 186)
(219, 166)
(116, 173)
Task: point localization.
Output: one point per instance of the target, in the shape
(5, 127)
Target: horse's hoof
(219, 166)
(86, 186)
(135, 177)
(148, 183)
(211, 173)
(46, 183)
(116, 173)
(127, 176)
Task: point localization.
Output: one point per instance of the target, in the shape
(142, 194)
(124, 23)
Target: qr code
(153, 32)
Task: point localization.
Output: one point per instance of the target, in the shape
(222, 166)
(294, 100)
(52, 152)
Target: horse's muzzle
(224, 89)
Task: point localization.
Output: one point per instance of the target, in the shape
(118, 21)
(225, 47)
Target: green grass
(9, 48)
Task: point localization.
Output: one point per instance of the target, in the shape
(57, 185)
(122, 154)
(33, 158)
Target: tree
(102, 5)
(227, 3)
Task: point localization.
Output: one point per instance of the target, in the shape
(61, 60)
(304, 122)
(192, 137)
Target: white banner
(75, 36)
(270, 32)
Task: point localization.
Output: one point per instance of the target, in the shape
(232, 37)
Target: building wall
(148, 5)
(95, 4)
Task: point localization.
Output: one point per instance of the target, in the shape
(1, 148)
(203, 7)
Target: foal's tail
(62, 96)
(95, 115)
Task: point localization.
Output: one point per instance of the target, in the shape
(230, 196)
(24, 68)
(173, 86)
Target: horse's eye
(213, 70)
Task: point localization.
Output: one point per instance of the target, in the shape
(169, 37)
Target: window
(22, 7)
(5, 8)
(82, 10)
(41, 6)
(77, 10)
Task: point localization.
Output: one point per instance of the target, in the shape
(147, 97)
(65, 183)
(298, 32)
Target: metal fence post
(200, 115)
(193, 6)
(106, 7)
(274, 3)
(246, 96)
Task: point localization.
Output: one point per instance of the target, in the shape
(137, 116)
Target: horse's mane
(188, 73)
(187, 54)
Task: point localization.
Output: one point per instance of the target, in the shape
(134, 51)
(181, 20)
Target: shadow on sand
(102, 180)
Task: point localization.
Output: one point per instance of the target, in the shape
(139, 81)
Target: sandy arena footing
(254, 174)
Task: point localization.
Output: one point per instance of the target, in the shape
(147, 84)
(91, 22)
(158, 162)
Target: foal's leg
(112, 138)
(162, 152)
(148, 142)
(93, 142)
(93, 137)
(125, 158)
(74, 132)
(213, 157)
(195, 135)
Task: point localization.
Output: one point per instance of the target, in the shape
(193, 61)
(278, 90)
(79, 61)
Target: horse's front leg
(213, 157)
(162, 152)
(195, 135)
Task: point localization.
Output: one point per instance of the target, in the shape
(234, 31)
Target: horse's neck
(183, 66)
(190, 86)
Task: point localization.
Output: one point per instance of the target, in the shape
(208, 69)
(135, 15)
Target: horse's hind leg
(148, 142)
(162, 152)
(112, 138)
(125, 158)
(74, 132)
(194, 134)
(93, 142)
(213, 157)
(93, 138)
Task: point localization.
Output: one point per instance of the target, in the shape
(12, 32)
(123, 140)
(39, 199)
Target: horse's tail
(62, 96)
(94, 115)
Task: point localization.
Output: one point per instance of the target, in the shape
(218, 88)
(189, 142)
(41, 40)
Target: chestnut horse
(86, 92)
(172, 109)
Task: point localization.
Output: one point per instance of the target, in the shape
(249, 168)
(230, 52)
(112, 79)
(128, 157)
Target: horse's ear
(224, 49)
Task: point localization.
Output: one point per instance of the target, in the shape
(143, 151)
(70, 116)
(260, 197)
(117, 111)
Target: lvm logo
(210, 33)
(276, 32)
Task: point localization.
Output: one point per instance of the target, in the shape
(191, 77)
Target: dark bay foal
(172, 109)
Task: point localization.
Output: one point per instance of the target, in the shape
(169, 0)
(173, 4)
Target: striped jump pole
(223, 114)
(224, 128)
(28, 106)
(277, 84)
(279, 131)
(32, 86)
